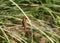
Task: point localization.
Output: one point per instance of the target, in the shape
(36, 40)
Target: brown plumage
(24, 22)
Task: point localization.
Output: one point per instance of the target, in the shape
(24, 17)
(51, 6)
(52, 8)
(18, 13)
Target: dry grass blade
(30, 22)
(5, 35)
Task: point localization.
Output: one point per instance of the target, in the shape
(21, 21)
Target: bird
(24, 22)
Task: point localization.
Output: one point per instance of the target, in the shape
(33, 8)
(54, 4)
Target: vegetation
(42, 21)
